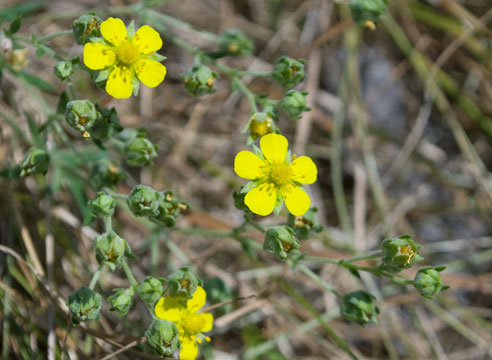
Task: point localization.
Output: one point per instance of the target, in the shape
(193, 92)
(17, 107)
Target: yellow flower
(189, 322)
(125, 58)
(276, 177)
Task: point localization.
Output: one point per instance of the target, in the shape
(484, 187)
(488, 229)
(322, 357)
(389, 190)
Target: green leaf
(20, 8)
(75, 60)
(157, 57)
(34, 80)
(39, 52)
(15, 25)
(354, 272)
(62, 103)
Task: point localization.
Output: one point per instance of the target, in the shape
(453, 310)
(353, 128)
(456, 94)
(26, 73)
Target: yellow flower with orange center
(276, 177)
(190, 323)
(125, 58)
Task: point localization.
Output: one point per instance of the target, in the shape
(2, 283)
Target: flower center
(407, 250)
(193, 323)
(127, 53)
(280, 173)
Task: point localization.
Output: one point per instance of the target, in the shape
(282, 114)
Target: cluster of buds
(359, 307)
(81, 115)
(163, 336)
(150, 290)
(121, 301)
(289, 72)
(294, 103)
(199, 80)
(260, 124)
(139, 150)
(428, 281)
(400, 253)
(86, 27)
(36, 161)
(281, 241)
(305, 226)
(84, 304)
(368, 12)
(159, 206)
(110, 249)
(234, 42)
(182, 284)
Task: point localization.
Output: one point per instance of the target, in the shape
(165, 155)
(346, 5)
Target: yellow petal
(304, 170)
(261, 200)
(189, 349)
(147, 40)
(98, 56)
(247, 165)
(274, 147)
(208, 322)
(113, 30)
(119, 84)
(197, 301)
(150, 72)
(169, 309)
(296, 200)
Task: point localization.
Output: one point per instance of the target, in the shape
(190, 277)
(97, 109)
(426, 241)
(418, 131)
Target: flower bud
(183, 283)
(162, 335)
(17, 59)
(140, 151)
(81, 115)
(107, 125)
(85, 27)
(36, 161)
(281, 241)
(106, 174)
(150, 290)
(84, 304)
(306, 225)
(288, 72)
(63, 70)
(121, 301)
(359, 307)
(199, 80)
(234, 42)
(364, 11)
(400, 253)
(110, 249)
(428, 281)
(169, 209)
(143, 201)
(102, 205)
(294, 103)
(260, 124)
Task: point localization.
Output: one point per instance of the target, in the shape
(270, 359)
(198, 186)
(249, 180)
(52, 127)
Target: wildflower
(124, 57)
(400, 253)
(276, 177)
(189, 322)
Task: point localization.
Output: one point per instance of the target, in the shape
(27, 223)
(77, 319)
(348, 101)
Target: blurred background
(400, 129)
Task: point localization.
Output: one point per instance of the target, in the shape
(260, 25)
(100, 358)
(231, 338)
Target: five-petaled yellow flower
(189, 322)
(276, 177)
(126, 58)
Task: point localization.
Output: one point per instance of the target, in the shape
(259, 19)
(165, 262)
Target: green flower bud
(428, 281)
(169, 209)
(84, 304)
(234, 42)
(150, 290)
(85, 27)
(288, 72)
(199, 80)
(281, 241)
(294, 103)
(36, 161)
(367, 12)
(63, 70)
(106, 174)
(239, 201)
(260, 124)
(306, 225)
(121, 301)
(107, 126)
(162, 335)
(143, 201)
(102, 205)
(81, 115)
(110, 249)
(140, 151)
(183, 283)
(359, 307)
(400, 253)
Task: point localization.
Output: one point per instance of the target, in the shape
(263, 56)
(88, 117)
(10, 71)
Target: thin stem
(129, 274)
(251, 97)
(54, 35)
(95, 277)
(71, 90)
(107, 224)
(255, 73)
(341, 261)
(317, 279)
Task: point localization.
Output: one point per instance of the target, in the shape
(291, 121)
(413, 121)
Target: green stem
(255, 73)
(251, 97)
(129, 275)
(71, 90)
(107, 224)
(95, 277)
(54, 35)
(341, 261)
(317, 279)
